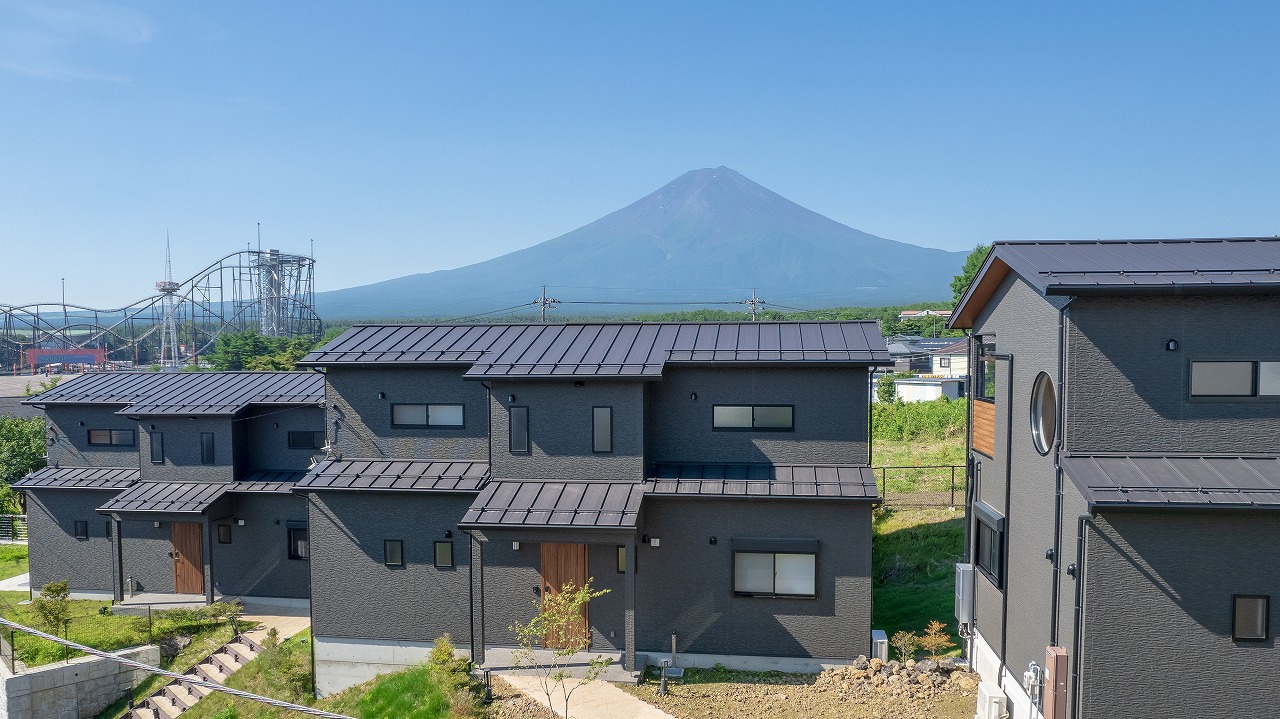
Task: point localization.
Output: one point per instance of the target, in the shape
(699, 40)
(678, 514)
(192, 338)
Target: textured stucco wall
(256, 563)
(182, 450)
(685, 586)
(267, 436)
(146, 554)
(54, 552)
(71, 441)
(560, 430)
(1128, 393)
(364, 421)
(1158, 610)
(830, 415)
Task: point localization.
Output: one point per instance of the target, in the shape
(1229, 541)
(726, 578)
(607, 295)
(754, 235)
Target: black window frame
(622, 560)
(753, 427)
(157, 447)
(207, 454)
(733, 572)
(435, 554)
(107, 530)
(512, 412)
(111, 438)
(313, 438)
(398, 546)
(224, 534)
(988, 543)
(944, 362)
(81, 529)
(299, 536)
(1266, 618)
(595, 437)
(427, 410)
(984, 379)
(1255, 390)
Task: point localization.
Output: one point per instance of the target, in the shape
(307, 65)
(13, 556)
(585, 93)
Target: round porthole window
(1044, 413)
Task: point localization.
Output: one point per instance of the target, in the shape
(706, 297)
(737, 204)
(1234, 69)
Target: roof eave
(980, 291)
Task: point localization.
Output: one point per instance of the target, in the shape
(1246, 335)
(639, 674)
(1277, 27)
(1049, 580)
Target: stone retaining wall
(78, 689)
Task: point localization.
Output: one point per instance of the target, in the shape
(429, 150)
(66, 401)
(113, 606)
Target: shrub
(905, 644)
(937, 419)
(53, 606)
(936, 641)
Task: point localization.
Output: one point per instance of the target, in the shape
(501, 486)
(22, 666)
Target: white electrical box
(964, 594)
(880, 645)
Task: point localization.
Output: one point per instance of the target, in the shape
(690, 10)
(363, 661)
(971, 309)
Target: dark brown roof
(186, 393)
(1108, 267)
(115, 478)
(169, 497)
(625, 349)
(537, 503)
(763, 480)
(955, 348)
(414, 475)
(1176, 481)
(273, 482)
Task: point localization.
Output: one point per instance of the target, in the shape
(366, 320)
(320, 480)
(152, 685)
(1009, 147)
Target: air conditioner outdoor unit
(964, 594)
(992, 703)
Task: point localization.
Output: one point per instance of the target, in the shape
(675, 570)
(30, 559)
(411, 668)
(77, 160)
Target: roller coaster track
(263, 290)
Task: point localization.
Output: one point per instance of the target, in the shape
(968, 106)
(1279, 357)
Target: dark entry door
(188, 558)
(564, 564)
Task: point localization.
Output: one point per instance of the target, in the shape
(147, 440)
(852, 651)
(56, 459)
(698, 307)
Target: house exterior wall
(1025, 325)
(71, 446)
(266, 441)
(256, 563)
(957, 365)
(1128, 393)
(364, 426)
(830, 415)
(560, 430)
(1158, 610)
(685, 585)
(54, 553)
(182, 450)
(146, 551)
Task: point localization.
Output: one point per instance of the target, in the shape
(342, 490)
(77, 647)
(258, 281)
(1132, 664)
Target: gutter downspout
(1073, 709)
(970, 488)
(1057, 470)
(1008, 492)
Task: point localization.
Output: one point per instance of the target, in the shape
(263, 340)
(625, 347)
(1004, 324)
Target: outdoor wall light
(511, 398)
(382, 395)
(156, 525)
(277, 425)
(693, 396)
(713, 540)
(81, 423)
(1171, 345)
(515, 546)
(579, 383)
(448, 534)
(153, 426)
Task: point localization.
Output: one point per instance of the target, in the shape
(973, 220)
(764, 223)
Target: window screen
(601, 429)
(519, 429)
(206, 448)
(1250, 615)
(1221, 379)
(444, 415)
(426, 415)
(157, 448)
(444, 555)
(393, 552)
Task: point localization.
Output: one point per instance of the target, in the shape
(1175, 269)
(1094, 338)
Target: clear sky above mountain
(409, 137)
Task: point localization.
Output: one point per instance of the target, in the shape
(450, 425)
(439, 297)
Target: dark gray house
(176, 483)
(713, 477)
(1125, 466)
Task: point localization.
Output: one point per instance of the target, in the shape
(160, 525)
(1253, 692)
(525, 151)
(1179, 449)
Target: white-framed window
(786, 568)
(1044, 413)
(427, 415)
(757, 418)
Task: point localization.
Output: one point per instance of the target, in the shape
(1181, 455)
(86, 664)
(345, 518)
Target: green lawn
(913, 567)
(13, 560)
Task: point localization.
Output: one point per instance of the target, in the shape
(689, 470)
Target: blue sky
(406, 137)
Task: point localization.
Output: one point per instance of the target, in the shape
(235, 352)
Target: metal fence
(13, 527)
(932, 486)
(6, 651)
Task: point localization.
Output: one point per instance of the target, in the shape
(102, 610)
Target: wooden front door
(188, 558)
(564, 564)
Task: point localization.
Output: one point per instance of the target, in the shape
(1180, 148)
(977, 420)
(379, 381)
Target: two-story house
(175, 483)
(713, 477)
(1125, 459)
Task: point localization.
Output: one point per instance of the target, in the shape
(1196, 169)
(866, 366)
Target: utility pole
(754, 304)
(544, 302)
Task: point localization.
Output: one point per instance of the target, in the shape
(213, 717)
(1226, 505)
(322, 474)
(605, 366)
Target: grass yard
(13, 560)
(203, 642)
(913, 567)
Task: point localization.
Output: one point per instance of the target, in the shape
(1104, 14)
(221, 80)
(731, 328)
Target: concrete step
(211, 673)
(142, 713)
(164, 707)
(197, 691)
(242, 652)
(225, 662)
(180, 696)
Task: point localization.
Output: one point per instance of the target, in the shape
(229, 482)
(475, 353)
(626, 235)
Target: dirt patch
(510, 703)
(834, 694)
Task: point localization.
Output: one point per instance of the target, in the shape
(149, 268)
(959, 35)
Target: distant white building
(952, 360)
(924, 389)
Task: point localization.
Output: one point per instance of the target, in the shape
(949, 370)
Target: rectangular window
(519, 417)
(944, 361)
(107, 531)
(989, 552)
(1268, 379)
(111, 437)
(1250, 618)
(224, 534)
(426, 415)
(601, 429)
(444, 555)
(622, 560)
(775, 574)
(393, 552)
(763, 418)
(157, 447)
(206, 448)
(299, 543)
(306, 440)
(1222, 379)
(82, 529)
(986, 377)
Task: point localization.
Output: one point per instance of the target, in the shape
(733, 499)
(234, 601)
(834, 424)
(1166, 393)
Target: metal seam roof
(186, 393)
(762, 480)
(419, 475)
(167, 497)
(1153, 481)
(113, 478)
(585, 504)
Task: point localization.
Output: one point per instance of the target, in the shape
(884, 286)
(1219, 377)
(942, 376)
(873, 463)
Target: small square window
(1250, 618)
(224, 534)
(944, 361)
(299, 543)
(444, 555)
(82, 529)
(393, 552)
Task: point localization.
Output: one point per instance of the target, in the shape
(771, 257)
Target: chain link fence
(940, 485)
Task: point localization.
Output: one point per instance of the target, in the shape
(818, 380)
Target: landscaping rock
(170, 646)
(926, 666)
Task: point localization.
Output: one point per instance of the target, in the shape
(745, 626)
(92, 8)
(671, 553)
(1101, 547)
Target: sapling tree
(905, 644)
(558, 628)
(53, 606)
(936, 641)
